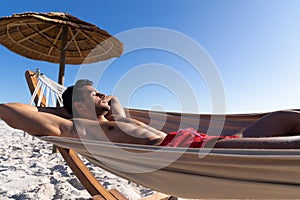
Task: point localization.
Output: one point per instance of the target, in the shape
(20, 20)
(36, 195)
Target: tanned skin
(101, 117)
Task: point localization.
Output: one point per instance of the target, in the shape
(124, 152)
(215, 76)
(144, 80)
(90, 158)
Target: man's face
(94, 101)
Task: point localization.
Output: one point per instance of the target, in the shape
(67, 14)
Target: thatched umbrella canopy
(57, 38)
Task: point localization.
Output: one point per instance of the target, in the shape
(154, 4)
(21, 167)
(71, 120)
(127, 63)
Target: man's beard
(101, 110)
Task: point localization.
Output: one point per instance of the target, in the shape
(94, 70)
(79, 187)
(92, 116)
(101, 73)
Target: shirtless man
(91, 112)
(100, 117)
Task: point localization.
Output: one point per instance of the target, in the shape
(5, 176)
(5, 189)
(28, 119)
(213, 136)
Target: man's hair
(73, 94)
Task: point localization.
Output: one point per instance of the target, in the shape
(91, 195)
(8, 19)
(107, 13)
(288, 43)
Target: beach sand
(29, 170)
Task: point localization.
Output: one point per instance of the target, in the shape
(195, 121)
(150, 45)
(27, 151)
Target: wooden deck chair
(195, 173)
(41, 96)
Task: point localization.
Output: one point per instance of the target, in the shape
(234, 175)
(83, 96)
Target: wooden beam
(35, 34)
(84, 175)
(75, 42)
(32, 82)
(54, 42)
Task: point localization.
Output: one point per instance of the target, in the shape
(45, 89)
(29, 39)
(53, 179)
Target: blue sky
(254, 44)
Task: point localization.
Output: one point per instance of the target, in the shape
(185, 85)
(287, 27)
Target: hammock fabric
(223, 173)
(196, 173)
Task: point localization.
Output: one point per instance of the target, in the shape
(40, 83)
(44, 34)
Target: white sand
(29, 170)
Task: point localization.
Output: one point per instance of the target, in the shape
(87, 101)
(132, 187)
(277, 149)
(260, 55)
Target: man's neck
(102, 118)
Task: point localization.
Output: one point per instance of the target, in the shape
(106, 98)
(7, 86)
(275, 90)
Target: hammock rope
(48, 89)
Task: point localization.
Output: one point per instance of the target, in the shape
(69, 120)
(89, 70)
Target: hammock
(196, 173)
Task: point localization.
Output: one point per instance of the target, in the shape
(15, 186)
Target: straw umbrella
(57, 38)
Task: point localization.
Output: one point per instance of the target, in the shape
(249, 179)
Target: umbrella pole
(61, 74)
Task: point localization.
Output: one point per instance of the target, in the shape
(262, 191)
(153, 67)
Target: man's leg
(291, 142)
(268, 132)
(280, 123)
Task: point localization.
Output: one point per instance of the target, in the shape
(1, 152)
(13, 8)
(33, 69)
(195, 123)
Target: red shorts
(190, 138)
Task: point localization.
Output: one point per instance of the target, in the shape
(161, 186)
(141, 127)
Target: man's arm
(27, 118)
(59, 111)
(116, 108)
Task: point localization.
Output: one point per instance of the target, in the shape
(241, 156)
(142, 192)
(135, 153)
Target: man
(95, 121)
(100, 117)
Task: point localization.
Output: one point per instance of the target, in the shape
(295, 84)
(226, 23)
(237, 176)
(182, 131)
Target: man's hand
(116, 109)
